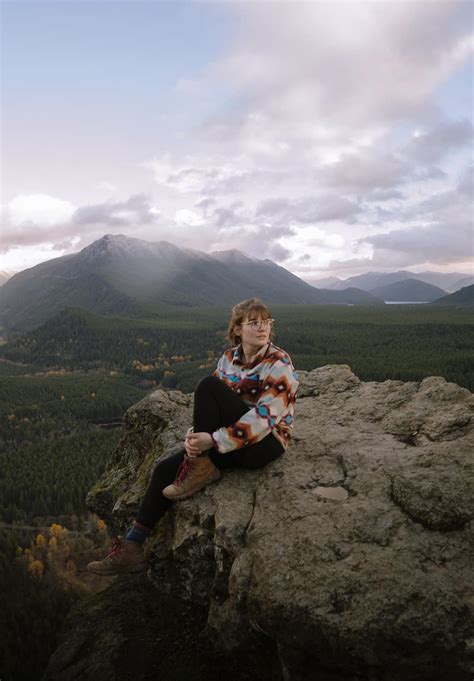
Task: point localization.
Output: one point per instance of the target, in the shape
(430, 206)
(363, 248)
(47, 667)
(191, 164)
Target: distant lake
(405, 302)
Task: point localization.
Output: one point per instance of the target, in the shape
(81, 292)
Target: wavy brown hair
(241, 312)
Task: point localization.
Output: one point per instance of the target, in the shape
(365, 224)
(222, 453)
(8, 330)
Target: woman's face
(255, 330)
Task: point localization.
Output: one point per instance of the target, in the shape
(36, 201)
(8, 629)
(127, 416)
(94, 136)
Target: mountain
(5, 276)
(409, 290)
(461, 283)
(328, 282)
(370, 280)
(233, 256)
(447, 281)
(121, 275)
(464, 297)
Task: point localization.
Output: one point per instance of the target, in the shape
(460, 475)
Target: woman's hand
(195, 443)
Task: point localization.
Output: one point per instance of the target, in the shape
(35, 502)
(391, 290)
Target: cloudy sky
(332, 137)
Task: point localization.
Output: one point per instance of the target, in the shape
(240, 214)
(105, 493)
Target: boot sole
(186, 495)
(134, 569)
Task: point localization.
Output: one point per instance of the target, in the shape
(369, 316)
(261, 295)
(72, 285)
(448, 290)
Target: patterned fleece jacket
(268, 387)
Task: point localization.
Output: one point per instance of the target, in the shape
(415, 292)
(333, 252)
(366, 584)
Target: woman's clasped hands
(195, 443)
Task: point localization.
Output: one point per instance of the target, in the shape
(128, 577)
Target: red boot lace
(115, 548)
(183, 470)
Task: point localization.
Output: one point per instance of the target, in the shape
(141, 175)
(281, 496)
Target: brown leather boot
(125, 557)
(194, 473)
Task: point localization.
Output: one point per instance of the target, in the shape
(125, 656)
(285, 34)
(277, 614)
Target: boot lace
(115, 548)
(183, 470)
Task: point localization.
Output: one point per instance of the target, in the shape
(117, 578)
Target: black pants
(215, 405)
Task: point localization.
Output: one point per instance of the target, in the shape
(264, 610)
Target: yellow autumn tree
(56, 530)
(36, 568)
(40, 541)
(59, 533)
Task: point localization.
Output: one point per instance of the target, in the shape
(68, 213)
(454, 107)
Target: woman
(243, 417)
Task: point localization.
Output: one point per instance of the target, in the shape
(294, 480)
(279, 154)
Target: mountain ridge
(409, 290)
(447, 281)
(118, 274)
(464, 296)
(5, 276)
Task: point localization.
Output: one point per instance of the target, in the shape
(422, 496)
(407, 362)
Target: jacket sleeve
(217, 370)
(278, 395)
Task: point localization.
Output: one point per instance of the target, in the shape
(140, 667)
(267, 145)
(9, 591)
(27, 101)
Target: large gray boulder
(351, 557)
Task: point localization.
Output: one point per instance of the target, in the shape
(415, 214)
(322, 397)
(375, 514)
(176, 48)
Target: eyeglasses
(257, 323)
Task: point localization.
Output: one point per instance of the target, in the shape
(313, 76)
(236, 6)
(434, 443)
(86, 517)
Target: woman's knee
(207, 384)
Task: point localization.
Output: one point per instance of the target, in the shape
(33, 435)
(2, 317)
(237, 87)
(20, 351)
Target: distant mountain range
(448, 282)
(125, 276)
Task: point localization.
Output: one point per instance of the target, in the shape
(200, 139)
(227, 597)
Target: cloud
(364, 174)
(444, 233)
(346, 267)
(42, 219)
(351, 64)
(330, 137)
(328, 134)
(466, 183)
(225, 218)
(205, 204)
(275, 251)
(186, 217)
(440, 243)
(437, 230)
(432, 146)
(34, 219)
(108, 188)
(316, 97)
(328, 145)
(137, 210)
(381, 195)
(324, 208)
(320, 238)
(198, 174)
(38, 209)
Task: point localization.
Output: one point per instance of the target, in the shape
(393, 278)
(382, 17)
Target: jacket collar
(238, 355)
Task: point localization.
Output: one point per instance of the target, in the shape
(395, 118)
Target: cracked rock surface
(350, 557)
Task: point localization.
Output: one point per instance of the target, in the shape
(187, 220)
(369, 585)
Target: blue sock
(138, 533)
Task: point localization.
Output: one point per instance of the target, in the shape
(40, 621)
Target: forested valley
(66, 385)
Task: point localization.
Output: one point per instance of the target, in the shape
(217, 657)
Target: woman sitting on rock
(243, 417)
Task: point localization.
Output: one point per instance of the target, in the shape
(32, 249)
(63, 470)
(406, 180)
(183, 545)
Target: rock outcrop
(350, 557)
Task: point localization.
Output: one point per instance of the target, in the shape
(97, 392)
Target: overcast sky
(332, 137)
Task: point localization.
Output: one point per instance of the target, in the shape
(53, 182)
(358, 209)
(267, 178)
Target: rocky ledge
(350, 558)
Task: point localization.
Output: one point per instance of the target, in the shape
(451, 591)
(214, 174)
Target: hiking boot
(194, 473)
(125, 556)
